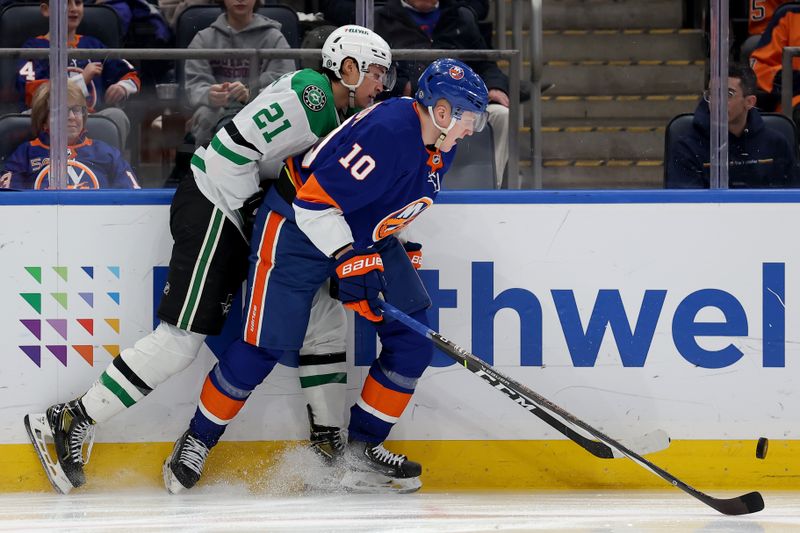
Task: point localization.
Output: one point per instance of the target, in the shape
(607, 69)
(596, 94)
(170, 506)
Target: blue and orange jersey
(782, 31)
(374, 169)
(761, 12)
(32, 73)
(91, 164)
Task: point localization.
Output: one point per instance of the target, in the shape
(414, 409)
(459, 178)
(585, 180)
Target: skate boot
(183, 468)
(326, 441)
(373, 468)
(69, 427)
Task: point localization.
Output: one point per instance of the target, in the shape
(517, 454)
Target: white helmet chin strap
(444, 131)
(353, 88)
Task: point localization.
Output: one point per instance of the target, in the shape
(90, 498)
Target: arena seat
(681, 126)
(21, 21)
(16, 129)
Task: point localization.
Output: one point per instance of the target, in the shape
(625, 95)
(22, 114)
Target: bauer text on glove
(360, 277)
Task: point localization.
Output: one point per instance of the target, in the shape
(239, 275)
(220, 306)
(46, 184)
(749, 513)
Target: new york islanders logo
(79, 176)
(456, 72)
(398, 220)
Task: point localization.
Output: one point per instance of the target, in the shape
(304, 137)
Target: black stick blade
(746, 504)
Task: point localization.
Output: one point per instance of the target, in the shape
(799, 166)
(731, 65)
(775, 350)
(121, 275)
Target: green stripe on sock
(109, 383)
(323, 379)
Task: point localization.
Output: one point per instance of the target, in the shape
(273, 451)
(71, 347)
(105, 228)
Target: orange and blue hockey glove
(361, 281)
(414, 251)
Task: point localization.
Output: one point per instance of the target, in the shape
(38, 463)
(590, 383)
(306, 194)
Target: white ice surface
(231, 508)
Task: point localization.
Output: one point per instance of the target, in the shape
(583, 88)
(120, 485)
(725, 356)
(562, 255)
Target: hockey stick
(751, 502)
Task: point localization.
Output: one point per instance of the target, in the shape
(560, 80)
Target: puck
(761, 447)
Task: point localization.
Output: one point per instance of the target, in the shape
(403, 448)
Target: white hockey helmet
(365, 47)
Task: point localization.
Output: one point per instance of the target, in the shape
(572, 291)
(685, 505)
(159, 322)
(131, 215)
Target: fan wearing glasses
(759, 156)
(91, 163)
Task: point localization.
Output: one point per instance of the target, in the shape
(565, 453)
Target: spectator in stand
(341, 12)
(447, 24)
(104, 83)
(132, 11)
(761, 12)
(217, 87)
(782, 31)
(759, 16)
(759, 157)
(91, 163)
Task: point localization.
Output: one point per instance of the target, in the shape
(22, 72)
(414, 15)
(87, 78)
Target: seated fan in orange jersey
(91, 163)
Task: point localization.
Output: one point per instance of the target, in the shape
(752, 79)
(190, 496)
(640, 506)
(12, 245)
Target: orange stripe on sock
(216, 403)
(263, 269)
(387, 401)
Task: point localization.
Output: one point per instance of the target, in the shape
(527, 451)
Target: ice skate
(69, 428)
(326, 441)
(371, 468)
(183, 468)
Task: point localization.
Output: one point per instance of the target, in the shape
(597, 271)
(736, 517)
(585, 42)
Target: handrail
(537, 67)
(513, 56)
(786, 88)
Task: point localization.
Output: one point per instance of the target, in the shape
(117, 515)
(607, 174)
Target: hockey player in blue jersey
(335, 212)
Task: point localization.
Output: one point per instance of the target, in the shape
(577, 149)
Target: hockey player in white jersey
(209, 262)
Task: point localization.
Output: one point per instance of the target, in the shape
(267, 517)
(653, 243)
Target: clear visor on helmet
(380, 73)
(472, 120)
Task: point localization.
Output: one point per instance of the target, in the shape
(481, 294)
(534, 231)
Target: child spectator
(91, 164)
(215, 86)
(106, 83)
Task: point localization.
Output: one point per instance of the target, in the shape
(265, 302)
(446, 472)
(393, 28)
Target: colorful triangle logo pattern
(57, 278)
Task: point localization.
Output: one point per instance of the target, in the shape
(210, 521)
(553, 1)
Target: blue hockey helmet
(454, 81)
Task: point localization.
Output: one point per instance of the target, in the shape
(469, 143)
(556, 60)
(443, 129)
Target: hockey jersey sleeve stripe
(311, 206)
(227, 153)
(327, 229)
(237, 137)
(198, 162)
(312, 191)
(132, 77)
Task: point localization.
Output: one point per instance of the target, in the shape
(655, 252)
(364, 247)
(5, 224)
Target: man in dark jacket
(758, 157)
(452, 25)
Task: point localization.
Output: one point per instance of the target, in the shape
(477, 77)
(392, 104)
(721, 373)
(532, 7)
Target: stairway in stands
(621, 70)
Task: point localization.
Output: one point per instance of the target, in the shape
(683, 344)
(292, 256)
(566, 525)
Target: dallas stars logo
(314, 98)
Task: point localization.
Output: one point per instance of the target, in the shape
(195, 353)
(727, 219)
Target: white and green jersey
(286, 118)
